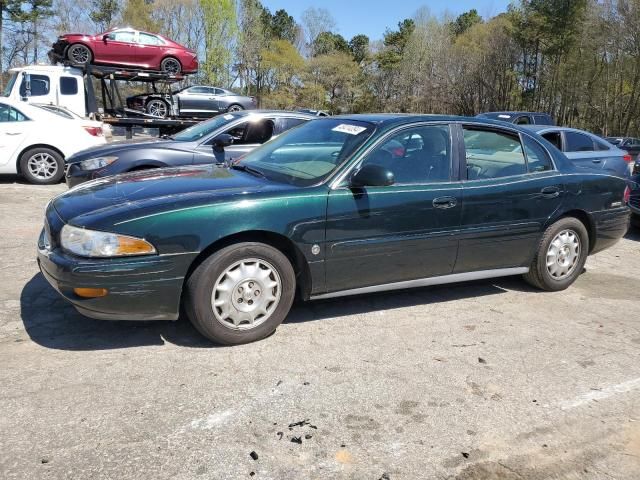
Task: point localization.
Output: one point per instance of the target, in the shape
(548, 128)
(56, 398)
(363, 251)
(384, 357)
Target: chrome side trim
(425, 282)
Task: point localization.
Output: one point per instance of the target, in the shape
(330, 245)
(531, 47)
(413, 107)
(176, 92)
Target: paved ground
(486, 380)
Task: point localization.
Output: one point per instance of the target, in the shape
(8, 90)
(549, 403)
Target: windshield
(203, 129)
(308, 154)
(9, 87)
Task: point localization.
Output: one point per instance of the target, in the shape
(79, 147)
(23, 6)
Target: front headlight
(90, 243)
(96, 163)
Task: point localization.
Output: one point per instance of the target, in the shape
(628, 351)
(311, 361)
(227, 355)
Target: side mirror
(372, 176)
(105, 38)
(26, 81)
(636, 167)
(221, 141)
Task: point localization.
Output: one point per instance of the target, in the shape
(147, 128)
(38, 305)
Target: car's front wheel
(42, 166)
(561, 255)
(241, 293)
(158, 108)
(235, 108)
(79, 54)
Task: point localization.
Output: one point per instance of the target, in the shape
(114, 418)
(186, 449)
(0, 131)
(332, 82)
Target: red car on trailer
(128, 48)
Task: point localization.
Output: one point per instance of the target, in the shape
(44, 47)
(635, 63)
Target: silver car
(586, 149)
(196, 101)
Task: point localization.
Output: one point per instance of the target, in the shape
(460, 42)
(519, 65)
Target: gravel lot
(485, 380)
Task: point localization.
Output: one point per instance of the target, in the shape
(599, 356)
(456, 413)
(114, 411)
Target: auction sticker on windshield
(350, 129)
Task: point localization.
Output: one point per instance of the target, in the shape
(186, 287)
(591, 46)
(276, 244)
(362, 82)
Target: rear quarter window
(578, 142)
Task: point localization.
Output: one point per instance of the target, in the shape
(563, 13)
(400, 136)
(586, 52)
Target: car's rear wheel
(235, 108)
(561, 255)
(241, 293)
(171, 65)
(157, 107)
(79, 54)
(42, 166)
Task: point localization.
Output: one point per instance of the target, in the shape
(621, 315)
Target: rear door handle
(14, 133)
(597, 160)
(550, 192)
(445, 202)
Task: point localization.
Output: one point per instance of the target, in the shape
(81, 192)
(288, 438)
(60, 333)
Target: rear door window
(252, 132)
(555, 138)
(68, 85)
(10, 114)
(542, 120)
(538, 159)
(284, 124)
(577, 142)
(523, 120)
(493, 154)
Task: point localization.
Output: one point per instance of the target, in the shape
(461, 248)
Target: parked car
(126, 47)
(326, 210)
(630, 144)
(520, 118)
(634, 197)
(34, 141)
(223, 138)
(586, 149)
(195, 101)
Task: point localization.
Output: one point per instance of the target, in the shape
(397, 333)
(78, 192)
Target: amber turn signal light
(91, 292)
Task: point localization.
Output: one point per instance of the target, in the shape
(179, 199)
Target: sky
(372, 17)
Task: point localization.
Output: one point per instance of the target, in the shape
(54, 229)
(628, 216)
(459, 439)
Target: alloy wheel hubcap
(563, 254)
(79, 54)
(234, 108)
(42, 166)
(246, 294)
(157, 108)
(171, 66)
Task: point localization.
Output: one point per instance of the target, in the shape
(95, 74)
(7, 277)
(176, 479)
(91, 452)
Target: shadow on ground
(52, 322)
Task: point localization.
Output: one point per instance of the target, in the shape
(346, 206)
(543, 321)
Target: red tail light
(94, 131)
(626, 195)
(627, 158)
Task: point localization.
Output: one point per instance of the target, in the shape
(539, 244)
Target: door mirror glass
(636, 167)
(221, 141)
(105, 38)
(372, 175)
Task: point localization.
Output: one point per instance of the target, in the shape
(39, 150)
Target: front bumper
(139, 288)
(74, 175)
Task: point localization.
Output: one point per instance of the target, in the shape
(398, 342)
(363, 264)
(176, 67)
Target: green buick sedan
(338, 206)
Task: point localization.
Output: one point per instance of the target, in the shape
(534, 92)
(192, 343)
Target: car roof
(539, 128)
(391, 119)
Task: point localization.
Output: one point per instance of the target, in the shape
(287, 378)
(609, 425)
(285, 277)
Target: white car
(34, 141)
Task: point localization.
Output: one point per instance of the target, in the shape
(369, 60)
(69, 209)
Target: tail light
(626, 195)
(94, 131)
(627, 158)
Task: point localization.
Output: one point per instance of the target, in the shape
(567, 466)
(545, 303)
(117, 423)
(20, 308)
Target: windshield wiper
(244, 168)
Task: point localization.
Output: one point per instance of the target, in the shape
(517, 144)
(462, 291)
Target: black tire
(235, 108)
(635, 220)
(171, 65)
(42, 155)
(200, 286)
(73, 57)
(157, 107)
(539, 275)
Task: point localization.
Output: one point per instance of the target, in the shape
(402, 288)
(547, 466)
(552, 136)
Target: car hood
(121, 146)
(121, 198)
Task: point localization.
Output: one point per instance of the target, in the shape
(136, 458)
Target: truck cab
(48, 84)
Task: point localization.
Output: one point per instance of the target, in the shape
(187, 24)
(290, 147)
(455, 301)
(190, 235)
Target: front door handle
(445, 202)
(550, 192)
(14, 133)
(597, 160)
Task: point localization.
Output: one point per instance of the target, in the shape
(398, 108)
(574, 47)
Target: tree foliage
(576, 59)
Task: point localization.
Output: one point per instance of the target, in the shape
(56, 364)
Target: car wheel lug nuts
(250, 284)
(240, 300)
(250, 302)
(257, 292)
